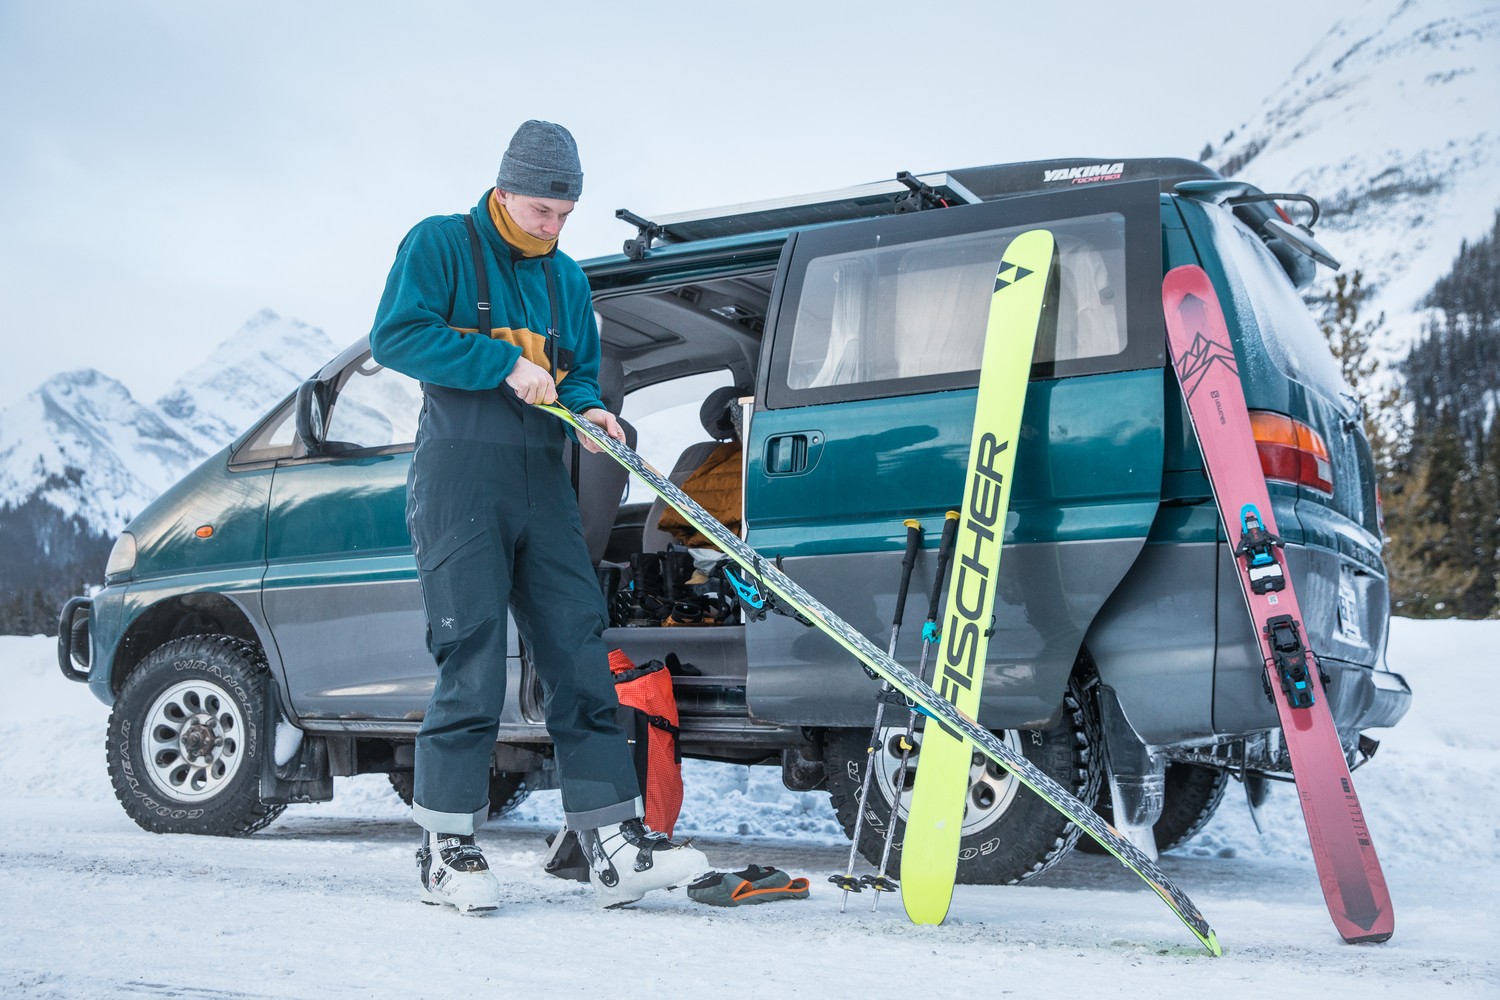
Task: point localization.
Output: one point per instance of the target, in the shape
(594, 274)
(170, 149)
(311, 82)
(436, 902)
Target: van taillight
(1291, 452)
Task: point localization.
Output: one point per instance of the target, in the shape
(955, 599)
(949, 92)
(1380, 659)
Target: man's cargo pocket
(460, 581)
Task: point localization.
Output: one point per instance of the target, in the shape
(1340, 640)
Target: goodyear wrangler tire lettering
(190, 713)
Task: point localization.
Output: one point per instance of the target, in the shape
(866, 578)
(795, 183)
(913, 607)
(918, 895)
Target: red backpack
(648, 714)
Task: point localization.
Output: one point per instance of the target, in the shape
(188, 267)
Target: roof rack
(908, 192)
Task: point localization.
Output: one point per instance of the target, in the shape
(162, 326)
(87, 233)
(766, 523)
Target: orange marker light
(205, 531)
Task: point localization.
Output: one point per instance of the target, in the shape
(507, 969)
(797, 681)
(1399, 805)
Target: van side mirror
(312, 415)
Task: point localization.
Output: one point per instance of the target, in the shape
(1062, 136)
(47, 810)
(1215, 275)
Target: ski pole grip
(913, 543)
(945, 553)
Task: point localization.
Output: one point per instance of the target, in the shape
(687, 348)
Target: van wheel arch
(175, 618)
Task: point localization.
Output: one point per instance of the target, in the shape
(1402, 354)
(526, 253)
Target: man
(494, 523)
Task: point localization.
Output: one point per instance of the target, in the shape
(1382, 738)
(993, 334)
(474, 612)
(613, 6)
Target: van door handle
(792, 454)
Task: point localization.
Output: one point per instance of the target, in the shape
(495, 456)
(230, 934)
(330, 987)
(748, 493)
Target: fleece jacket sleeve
(579, 391)
(411, 332)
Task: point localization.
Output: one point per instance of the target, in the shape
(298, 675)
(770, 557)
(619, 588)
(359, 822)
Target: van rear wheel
(507, 790)
(1010, 833)
(1192, 795)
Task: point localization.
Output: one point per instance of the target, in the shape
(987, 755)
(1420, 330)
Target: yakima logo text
(1085, 175)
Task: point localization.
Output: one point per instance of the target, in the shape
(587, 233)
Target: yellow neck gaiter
(528, 245)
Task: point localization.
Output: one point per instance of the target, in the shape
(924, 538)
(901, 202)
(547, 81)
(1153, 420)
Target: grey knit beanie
(541, 162)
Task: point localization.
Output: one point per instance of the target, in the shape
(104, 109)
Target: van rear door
(864, 408)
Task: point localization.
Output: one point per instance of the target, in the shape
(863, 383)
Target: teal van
(260, 628)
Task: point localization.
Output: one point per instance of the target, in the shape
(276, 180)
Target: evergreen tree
(1351, 342)
(1425, 577)
(1443, 501)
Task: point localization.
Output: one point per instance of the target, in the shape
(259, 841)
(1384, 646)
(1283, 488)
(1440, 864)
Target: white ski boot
(628, 860)
(455, 873)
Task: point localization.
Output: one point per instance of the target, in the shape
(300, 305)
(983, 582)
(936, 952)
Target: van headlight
(121, 557)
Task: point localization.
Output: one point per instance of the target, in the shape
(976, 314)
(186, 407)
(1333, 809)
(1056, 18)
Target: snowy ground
(322, 904)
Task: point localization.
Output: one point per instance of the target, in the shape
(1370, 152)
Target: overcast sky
(168, 168)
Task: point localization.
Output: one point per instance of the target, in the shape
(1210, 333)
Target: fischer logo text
(973, 597)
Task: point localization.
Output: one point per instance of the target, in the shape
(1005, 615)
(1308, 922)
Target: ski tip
(1212, 944)
(1370, 938)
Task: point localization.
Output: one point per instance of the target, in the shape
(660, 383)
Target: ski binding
(1256, 545)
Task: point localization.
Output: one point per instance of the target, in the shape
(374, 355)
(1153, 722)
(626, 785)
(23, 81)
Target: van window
(1293, 340)
(375, 408)
(666, 421)
(273, 440)
(918, 309)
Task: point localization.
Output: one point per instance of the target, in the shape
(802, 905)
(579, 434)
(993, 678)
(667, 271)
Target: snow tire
(507, 789)
(1193, 794)
(187, 737)
(1010, 833)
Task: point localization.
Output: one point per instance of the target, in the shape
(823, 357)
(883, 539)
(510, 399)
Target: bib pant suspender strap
(482, 288)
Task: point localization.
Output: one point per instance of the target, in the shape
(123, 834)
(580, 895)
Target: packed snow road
(323, 903)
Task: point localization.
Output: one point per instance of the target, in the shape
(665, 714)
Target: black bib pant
(494, 524)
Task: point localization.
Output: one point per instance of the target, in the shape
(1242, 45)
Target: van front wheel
(187, 737)
(1009, 833)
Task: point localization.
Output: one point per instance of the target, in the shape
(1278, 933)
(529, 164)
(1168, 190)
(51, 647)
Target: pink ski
(1203, 355)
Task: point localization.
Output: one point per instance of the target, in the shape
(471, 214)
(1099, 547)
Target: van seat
(714, 415)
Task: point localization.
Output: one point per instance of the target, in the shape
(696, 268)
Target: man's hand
(531, 382)
(606, 422)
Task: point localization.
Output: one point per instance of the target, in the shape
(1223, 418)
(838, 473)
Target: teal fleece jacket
(427, 322)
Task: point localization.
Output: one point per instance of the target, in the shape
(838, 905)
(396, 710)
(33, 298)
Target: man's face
(539, 217)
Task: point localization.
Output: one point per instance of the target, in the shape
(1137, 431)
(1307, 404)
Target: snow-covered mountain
(214, 402)
(82, 444)
(1392, 121)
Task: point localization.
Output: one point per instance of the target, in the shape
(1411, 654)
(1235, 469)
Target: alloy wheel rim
(991, 787)
(191, 742)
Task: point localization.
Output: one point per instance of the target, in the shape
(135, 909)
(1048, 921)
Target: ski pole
(913, 542)
(879, 882)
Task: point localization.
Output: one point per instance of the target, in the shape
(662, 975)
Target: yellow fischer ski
(934, 823)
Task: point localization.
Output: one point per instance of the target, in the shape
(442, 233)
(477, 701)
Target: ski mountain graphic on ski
(940, 712)
(1348, 870)
(934, 821)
